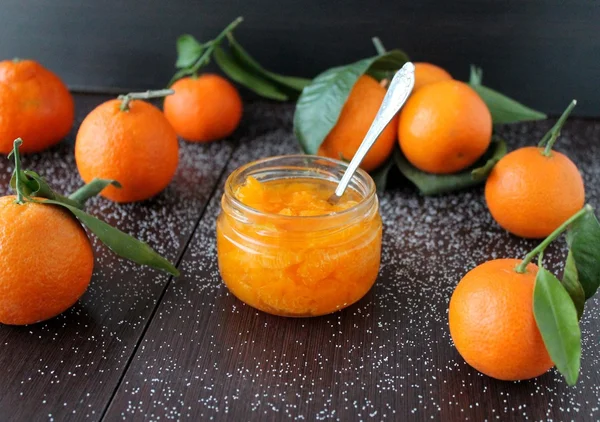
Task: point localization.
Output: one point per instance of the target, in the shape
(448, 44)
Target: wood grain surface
(141, 346)
(69, 367)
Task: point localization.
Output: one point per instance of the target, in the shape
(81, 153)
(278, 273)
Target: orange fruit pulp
(292, 260)
(355, 119)
(492, 324)
(46, 261)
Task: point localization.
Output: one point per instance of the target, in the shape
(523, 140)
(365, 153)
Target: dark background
(541, 52)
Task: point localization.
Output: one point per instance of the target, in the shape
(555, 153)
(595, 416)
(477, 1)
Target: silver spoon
(397, 94)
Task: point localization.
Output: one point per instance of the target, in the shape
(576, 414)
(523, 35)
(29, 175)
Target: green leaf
(92, 189)
(29, 187)
(189, 51)
(572, 285)
(235, 71)
(482, 173)
(248, 62)
(320, 104)
(120, 243)
(435, 184)
(384, 68)
(583, 237)
(556, 318)
(33, 185)
(389, 62)
(502, 108)
(475, 76)
(380, 174)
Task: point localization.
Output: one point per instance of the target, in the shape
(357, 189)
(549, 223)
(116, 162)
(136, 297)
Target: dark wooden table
(143, 346)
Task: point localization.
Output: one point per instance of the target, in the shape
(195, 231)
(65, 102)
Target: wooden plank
(68, 368)
(207, 356)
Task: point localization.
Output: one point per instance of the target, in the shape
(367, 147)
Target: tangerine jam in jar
(283, 249)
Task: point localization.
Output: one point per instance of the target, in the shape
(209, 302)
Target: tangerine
(355, 119)
(444, 127)
(135, 146)
(492, 323)
(533, 190)
(427, 73)
(34, 105)
(204, 108)
(46, 261)
(531, 194)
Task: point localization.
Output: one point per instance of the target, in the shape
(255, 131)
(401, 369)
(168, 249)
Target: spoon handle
(397, 93)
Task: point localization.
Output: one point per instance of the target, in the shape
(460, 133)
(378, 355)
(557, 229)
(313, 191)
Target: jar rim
(366, 198)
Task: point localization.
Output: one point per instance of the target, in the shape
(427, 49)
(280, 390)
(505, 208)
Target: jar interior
(303, 167)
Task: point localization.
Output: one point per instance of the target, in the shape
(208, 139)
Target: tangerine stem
(378, 46)
(18, 142)
(554, 132)
(205, 58)
(126, 99)
(542, 246)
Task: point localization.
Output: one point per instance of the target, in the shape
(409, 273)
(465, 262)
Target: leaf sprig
(31, 187)
(236, 63)
(559, 304)
(321, 102)
(502, 108)
(436, 184)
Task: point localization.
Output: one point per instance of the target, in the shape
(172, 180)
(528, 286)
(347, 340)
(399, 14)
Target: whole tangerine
(204, 108)
(46, 261)
(135, 146)
(444, 127)
(355, 119)
(34, 105)
(531, 194)
(492, 323)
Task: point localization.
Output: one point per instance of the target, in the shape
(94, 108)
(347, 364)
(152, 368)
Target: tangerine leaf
(502, 108)
(570, 282)
(583, 237)
(189, 51)
(27, 186)
(435, 184)
(235, 71)
(120, 243)
(380, 174)
(320, 103)
(249, 63)
(556, 318)
(476, 76)
(482, 173)
(34, 185)
(92, 189)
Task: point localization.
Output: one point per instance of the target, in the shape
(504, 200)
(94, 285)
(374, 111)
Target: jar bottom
(272, 304)
(300, 284)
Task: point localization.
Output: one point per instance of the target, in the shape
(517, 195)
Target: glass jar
(299, 266)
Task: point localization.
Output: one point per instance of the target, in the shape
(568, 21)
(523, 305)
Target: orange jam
(283, 249)
(297, 197)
